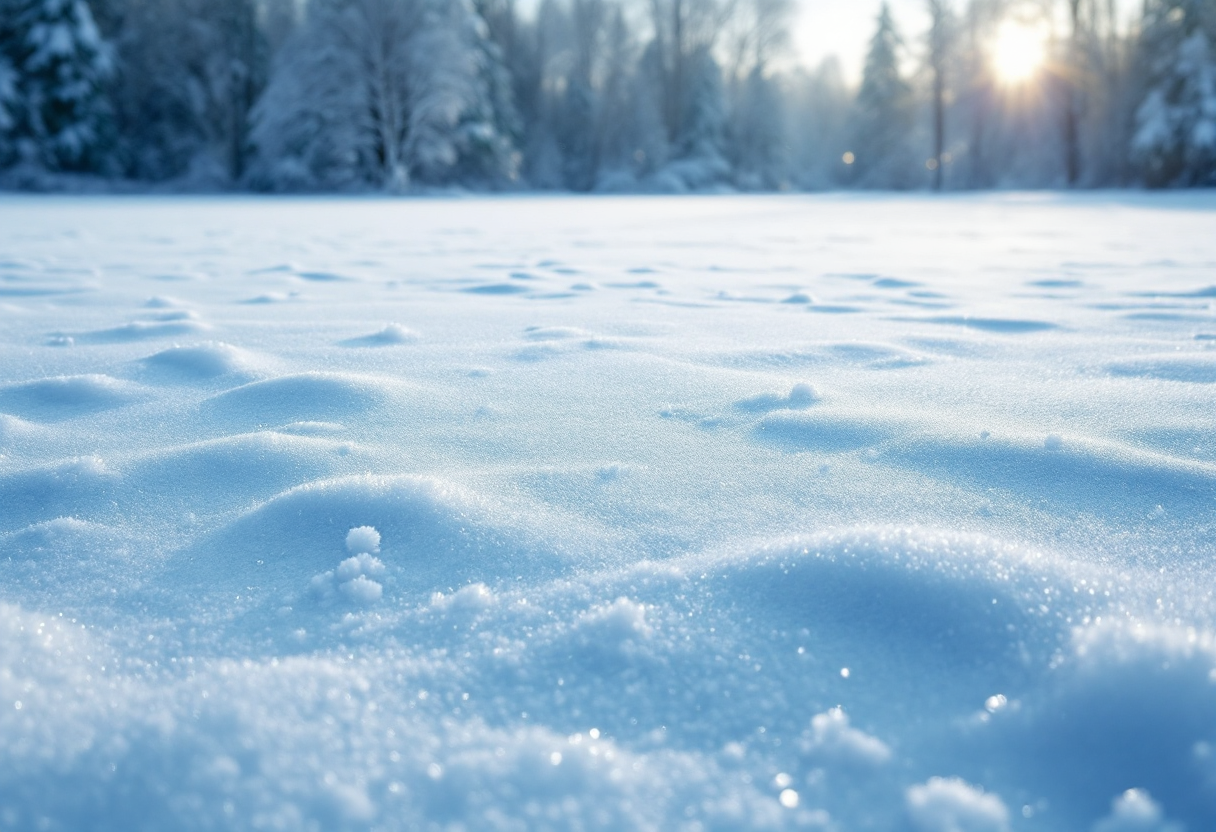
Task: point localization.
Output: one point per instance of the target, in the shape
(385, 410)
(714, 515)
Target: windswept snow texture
(730, 513)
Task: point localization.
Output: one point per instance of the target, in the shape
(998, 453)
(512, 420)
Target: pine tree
(188, 75)
(700, 158)
(489, 129)
(883, 115)
(757, 133)
(62, 66)
(8, 109)
(1175, 138)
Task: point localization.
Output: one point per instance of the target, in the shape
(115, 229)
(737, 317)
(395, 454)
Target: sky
(843, 28)
(835, 27)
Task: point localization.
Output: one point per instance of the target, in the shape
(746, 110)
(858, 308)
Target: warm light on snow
(1018, 52)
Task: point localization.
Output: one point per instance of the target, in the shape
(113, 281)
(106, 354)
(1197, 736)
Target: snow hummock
(952, 805)
(832, 739)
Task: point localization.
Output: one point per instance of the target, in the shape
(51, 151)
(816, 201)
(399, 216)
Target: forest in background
(592, 95)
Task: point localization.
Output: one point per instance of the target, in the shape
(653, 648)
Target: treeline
(593, 95)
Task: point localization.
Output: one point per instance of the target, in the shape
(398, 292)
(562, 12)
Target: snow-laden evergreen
(8, 107)
(758, 131)
(597, 95)
(489, 129)
(883, 115)
(63, 121)
(1175, 137)
(700, 148)
(188, 73)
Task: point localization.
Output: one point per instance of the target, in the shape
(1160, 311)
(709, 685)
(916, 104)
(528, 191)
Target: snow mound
(302, 397)
(142, 331)
(219, 474)
(440, 534)
(832, 739)
(800, 397)
(555, 333)
(100, 559)
(68, 397)
(1192, 369)
(621, 621)
(951, 805)
(893, 587)
(14, 430)
(1102, 477)
(822, 432)
(391, 336)
(83, 485)
(473, 598)
(1135, 811)
(1130, 701)
(203, 362)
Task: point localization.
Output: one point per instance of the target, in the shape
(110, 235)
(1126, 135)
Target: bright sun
(1018, 52)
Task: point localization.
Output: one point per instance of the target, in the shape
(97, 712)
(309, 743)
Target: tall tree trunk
(1072, 70)
(938, 49)
(939, 126)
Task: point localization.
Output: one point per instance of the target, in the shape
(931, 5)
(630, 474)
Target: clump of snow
(1135, 811)
(392, 335)
(361, 564)
(353, 579)
(361, 590)
(800, 397)
(473, 598)
(621, 621)
(363, 540)
(831, 738)
(953, 805)
(396, 334)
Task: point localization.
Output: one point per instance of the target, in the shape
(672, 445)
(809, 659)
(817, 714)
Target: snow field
(829, 513)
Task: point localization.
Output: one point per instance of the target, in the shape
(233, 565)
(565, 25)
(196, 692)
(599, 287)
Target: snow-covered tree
(883, 115)
(817, 125)
(373, 93)
(632, 138)
(8, 108)
(757, 133)
(189, 72)
(1175, 138)
(62, 65)
(489, 130)
(684, 32)
(699, 153)
(758, 32)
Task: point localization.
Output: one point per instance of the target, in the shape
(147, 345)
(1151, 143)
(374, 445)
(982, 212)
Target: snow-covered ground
(726, 513)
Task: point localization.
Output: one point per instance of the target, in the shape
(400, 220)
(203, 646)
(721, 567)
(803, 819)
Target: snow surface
(837, 513)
